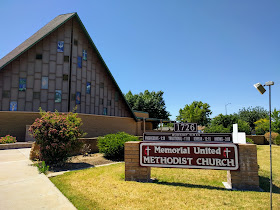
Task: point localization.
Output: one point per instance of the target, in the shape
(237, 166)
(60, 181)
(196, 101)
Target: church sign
(185, 137)
(189, 155)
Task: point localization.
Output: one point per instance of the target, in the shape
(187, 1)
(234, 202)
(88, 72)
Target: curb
(17, 145)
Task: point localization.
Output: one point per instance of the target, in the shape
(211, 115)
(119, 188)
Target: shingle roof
(45, 31)
(35, 38)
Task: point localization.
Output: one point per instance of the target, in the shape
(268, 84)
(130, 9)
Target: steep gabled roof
(35, 38)
(45, 31)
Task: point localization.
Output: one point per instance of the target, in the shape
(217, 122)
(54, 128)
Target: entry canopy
(155, 120)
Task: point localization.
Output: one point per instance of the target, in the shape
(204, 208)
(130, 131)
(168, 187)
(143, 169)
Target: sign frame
(236, 155)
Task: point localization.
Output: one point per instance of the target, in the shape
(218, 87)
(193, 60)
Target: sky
(212, 51)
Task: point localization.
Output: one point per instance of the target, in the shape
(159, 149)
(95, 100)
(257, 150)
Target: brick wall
(258, 139)
(247, 176)
(98, 125)
(133, 170)
(14, 123)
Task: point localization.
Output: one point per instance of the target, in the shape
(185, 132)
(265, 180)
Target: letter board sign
(189, 155)
(188, 137)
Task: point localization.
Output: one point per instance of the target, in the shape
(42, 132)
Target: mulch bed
(81, 162)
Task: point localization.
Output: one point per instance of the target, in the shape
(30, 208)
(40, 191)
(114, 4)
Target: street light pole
(261, 89)
(226, 107)
(270, 147)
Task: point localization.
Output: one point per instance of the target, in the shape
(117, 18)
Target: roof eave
(14, 58)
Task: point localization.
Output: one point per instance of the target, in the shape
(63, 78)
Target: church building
(59, 68)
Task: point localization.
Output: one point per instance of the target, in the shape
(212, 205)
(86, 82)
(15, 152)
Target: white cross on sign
(147, 151)
(225, 152)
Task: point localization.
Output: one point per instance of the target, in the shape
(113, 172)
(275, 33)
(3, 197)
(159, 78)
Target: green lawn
(105, 188)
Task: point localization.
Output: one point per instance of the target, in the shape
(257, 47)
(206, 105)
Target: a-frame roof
(35, 38)
(45, 31)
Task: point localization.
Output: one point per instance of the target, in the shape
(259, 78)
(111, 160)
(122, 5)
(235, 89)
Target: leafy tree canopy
(223, 124)
(251, 115)
(225, 120)
(151, 102)
(197, 112)
(262, 126)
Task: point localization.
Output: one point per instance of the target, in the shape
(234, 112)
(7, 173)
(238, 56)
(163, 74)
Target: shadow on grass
(179, 184)
(70, 166)
(265, 185)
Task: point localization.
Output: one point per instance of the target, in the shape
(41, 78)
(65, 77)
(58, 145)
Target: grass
(105, 188)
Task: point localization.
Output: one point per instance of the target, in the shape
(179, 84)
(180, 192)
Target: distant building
(58, 68)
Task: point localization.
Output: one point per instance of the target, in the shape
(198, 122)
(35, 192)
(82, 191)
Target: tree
(225, 120)
(262, 126)
(223, 124)
(251, 115)
(151, 102)
(197, 112)
(216, 129)
(275, 115)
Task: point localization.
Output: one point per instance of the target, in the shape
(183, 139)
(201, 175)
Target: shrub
(57, 136)
(42, 167)
(273, 136)
(248, 140)
(216, 129)
(112, 145)
(277, 140)
(8, 139)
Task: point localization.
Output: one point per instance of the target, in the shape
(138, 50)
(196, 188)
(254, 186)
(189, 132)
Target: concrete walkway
(22, 187)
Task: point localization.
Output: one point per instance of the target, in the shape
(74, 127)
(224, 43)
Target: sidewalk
(22, 187)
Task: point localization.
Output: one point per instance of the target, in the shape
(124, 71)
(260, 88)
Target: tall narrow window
(13, 106)
(105, 111)
(79, 62)
(45, 83)
(39, 56)
(60, 46)
(57, 96)
(78, 97)
(116, 96)
(65, 77)
(22, 84)
(88, 88)
(66, 58)
(84, 55)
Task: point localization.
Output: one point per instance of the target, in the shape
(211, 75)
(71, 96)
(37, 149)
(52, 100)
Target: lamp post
(226, 107)
(261, 89)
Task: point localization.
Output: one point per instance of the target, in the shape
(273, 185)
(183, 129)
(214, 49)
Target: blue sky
(208, 50)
